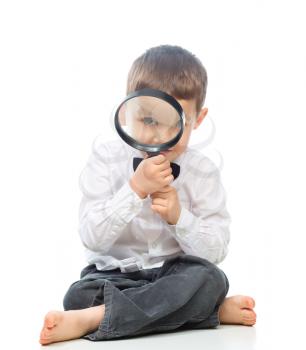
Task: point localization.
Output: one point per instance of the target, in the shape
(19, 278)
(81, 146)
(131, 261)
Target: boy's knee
(78, 296)
(221, 280)
(219, 283)
(212, 274)
(205, 272)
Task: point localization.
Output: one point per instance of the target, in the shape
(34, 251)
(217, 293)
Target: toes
(251, 302)
(44, 341)
(248, 317)
(250, 322)
(51, 319)
(44, 337)
(246, 302)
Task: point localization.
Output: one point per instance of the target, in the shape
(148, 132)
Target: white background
(63, 68)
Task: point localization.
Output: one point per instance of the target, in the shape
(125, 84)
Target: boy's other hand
(165, 202)
(151, 175)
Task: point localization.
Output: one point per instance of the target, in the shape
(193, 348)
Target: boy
(152, 241)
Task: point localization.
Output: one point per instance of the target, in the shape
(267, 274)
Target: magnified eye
(149, 121)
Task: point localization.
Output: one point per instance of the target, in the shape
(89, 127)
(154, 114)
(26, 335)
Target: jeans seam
(105, 325)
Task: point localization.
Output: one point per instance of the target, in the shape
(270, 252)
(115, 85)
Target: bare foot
(73, 324)
(238, 309)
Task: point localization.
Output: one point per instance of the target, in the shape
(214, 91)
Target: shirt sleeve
(102, 214)
(203, 230)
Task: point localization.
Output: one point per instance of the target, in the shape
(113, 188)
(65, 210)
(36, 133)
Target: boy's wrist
(141, 194)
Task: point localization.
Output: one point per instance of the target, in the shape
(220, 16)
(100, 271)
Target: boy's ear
(200, 117)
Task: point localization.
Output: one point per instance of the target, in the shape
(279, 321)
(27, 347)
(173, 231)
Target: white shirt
(119, 229)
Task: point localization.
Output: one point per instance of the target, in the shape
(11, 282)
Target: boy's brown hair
(171, 69)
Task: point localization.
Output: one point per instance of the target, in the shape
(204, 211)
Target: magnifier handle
(152, 154)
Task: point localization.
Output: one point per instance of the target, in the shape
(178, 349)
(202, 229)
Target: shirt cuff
(185, 223)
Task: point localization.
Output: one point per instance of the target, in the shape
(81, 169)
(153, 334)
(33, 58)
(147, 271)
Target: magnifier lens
(149, 120)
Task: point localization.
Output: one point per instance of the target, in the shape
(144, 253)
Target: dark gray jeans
(185, 293)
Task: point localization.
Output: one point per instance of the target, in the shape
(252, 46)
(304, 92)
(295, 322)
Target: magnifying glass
(150, 120)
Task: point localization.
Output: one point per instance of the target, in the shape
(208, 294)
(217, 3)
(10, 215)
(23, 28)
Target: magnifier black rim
(151, 147)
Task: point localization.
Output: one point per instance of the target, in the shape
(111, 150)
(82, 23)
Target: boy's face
(192, 121)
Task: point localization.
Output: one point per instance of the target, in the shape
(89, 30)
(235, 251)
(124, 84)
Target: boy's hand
(151, 175)
(165, 202)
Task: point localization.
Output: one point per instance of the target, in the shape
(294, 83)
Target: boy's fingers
(166, 189)
(158, 159)
(169, 179)
(158, 195)
(159, 201)
(162, 192)
(165, 165)
(166, 172)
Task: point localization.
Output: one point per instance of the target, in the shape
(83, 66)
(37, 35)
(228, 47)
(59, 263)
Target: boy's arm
(203, 231)
(102, 214)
